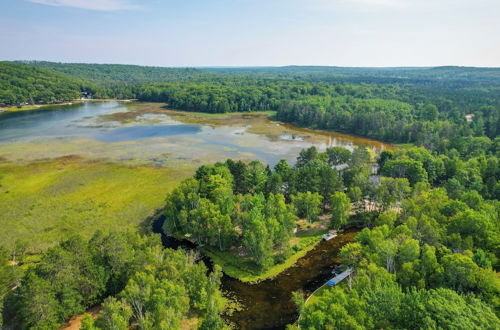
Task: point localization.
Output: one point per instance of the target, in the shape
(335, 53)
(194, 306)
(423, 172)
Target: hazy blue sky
(253, 32)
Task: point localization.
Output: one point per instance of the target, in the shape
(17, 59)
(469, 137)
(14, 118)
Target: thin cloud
(379, 3)
(353, 5)
(400, 4)
(100, 5)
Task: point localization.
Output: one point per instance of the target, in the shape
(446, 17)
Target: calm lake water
(146, 132)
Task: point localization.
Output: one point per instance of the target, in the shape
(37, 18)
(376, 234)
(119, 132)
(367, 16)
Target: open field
(46, 201)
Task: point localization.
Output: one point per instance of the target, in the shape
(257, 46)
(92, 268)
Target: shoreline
(43, 106)
(379, 144)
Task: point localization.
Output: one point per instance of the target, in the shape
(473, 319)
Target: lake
(149, 133)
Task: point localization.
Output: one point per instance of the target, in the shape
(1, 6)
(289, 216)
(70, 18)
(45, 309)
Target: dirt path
(75, 322)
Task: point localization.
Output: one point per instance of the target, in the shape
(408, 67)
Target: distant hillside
(112, 74)
(390, 75)
(243, 88)
(119, 73)
(20, 83)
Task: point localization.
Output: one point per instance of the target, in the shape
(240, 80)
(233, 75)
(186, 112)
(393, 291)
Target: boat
(331, 234)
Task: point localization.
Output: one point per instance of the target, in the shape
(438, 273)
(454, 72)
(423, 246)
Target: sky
(193, 33)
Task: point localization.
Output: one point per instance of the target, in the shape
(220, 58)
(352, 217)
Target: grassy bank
(246, 271)
(46, 201)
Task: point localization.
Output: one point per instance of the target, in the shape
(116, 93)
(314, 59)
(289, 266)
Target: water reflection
(144, 132)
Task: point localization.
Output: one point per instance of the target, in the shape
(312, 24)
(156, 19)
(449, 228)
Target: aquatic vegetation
(46, 201)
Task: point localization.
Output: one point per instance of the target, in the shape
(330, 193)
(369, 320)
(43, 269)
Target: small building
(340, 277)
(86, 95)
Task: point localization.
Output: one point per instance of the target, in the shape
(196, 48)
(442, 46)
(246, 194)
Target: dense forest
(113, 73)
(464, 75)
(430, 259)
(37, 82)
(26, 84)
(235, 204)
(430, 263)
(133, 277)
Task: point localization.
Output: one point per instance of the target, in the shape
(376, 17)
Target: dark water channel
(268, 305)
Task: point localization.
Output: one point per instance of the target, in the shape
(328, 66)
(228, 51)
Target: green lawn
(45, 202)
(246, 271)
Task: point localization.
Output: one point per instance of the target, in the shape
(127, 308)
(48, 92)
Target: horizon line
(265, 66)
